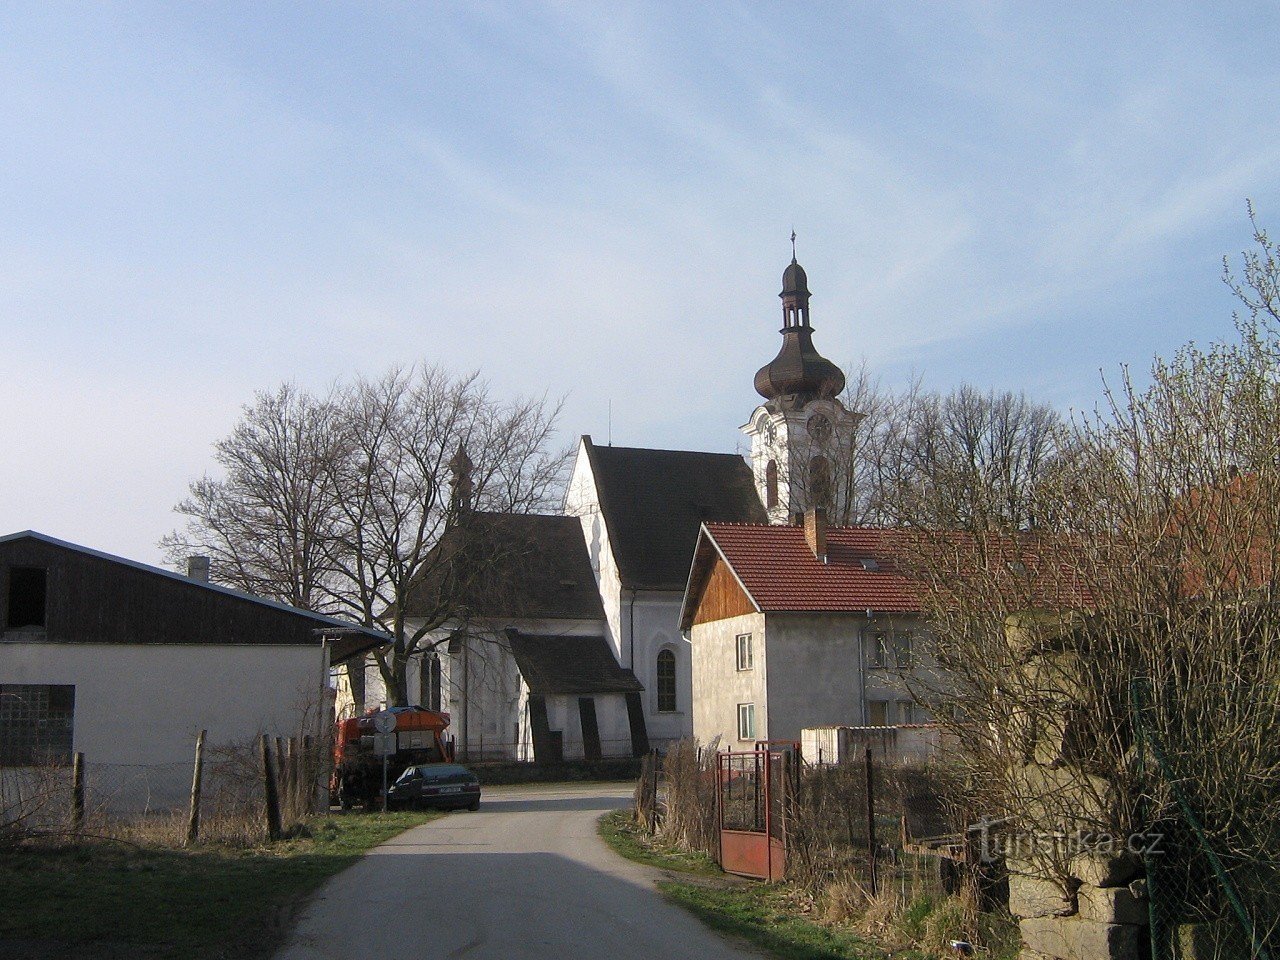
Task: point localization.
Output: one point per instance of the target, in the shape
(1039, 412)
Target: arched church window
(820, 481)
(819, 428)
(666, 685)
(771, 484)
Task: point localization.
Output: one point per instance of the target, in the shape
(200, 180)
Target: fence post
(272, 794)
(871, 821)
(77, 791)
(197, 773)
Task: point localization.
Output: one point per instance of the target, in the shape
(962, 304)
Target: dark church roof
(569, 665)
(799, 373)
(654, 502)
(527, 566)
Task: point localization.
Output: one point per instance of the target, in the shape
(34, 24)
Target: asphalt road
(525, 877)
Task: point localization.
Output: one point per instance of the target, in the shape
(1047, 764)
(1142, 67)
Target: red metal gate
(752, 788)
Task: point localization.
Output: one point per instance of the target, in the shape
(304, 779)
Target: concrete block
(1031, 897)
(1073, 938)
(1106, 869)
(1111, 905)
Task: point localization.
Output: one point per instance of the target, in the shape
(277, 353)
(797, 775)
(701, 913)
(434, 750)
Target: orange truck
(357, 765)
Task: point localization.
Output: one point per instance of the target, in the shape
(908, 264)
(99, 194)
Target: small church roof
(569, 665)
(654, 501)
(527, 566)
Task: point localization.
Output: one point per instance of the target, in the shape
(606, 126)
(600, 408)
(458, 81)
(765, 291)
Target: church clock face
(770, 432)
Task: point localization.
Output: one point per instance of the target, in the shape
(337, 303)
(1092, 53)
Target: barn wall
(138, 708)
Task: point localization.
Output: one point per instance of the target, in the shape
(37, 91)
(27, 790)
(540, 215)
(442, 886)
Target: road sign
(384, 722)
(384, 744)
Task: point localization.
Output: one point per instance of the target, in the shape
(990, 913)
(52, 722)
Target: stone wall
(1098, 912)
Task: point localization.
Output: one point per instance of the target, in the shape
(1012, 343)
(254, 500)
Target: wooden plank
(722, 597)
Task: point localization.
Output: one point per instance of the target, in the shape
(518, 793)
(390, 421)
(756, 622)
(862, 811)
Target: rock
(1074, 938)
(1111, 905)
(1031, 897)
(1105, 869)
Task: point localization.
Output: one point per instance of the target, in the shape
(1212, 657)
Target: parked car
(443, 786)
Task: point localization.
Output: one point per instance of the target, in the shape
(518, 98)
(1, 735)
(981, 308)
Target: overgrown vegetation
(140, 897)
(788, 921)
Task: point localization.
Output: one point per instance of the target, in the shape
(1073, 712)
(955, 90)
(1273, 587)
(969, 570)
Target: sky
(199, 201)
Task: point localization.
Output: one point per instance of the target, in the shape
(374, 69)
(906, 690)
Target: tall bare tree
(342, 503)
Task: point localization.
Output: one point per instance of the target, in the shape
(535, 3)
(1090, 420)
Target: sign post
(384, 743)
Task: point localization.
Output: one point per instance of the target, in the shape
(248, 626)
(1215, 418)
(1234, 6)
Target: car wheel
(474, 806)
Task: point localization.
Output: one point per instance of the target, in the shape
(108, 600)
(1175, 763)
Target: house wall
(720, 686)
(640, 623)
(139, 707)
(817, 677)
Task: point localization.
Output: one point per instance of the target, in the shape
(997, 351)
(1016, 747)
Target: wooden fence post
(309, 771)
(871, 821)
(77, 791)
(272, 794)
(197, 774)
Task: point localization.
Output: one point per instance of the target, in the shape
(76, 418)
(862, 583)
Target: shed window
(666, 682)
(27, 592)
(36, 723)
(746, 721)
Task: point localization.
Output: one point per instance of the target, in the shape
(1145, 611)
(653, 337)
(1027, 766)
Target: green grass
(115, 900)
(763, 914)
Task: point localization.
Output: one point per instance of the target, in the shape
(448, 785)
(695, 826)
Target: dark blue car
(439, 786)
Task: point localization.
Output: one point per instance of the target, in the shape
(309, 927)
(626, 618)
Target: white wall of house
(139, 708)
(721, 687)
(808, 671)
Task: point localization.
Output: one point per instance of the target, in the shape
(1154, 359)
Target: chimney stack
(198, 569)
(815, 532)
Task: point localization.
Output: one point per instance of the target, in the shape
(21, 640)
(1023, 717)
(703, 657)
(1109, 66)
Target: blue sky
(201, 200)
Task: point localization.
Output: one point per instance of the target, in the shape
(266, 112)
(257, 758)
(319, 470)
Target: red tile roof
(780, 572)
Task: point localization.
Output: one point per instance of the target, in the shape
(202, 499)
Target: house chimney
(198, 568)
(815, 532)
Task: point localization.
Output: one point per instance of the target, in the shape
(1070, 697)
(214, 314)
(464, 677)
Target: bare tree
(1159, 581)
(389, 468)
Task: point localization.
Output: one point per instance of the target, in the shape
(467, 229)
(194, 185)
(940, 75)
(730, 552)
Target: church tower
(802, 435)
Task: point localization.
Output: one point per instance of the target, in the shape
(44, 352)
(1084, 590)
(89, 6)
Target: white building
(127, 663)
(797, 627)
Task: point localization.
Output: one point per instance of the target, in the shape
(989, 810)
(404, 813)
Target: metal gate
(753, 788)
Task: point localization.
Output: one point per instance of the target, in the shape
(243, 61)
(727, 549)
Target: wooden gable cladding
(722, 597)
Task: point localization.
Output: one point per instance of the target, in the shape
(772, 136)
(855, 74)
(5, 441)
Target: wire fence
(1207, 897)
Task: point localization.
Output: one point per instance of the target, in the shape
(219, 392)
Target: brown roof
(522, 566)
(779, 572)
(653, 502)
(569, 665)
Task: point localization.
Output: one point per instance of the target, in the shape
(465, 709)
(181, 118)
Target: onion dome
(798, 374)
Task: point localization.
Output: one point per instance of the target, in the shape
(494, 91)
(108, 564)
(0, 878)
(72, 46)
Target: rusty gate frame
(756, 852)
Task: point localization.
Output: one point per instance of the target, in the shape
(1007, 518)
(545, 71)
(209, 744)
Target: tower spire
(798, 373)
(793, 244)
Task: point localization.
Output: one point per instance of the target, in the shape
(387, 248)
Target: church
(581, 654)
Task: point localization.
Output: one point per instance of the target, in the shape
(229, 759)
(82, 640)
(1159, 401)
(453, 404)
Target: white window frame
(742, 645)
(747, 729)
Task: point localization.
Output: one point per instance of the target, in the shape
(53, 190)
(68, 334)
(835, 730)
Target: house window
(744, 652)
(877, 713)
(906, 712)
(771, 484)
(886, 649)
(746, 721)
(35, 723)
(666, 682)
(27, 591)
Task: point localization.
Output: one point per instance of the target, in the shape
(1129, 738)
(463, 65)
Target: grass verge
(113, 900)
(766, 915)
